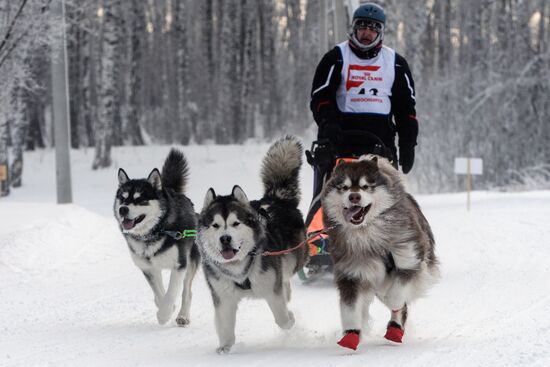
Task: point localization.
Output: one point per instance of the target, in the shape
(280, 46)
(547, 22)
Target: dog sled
(323, 157)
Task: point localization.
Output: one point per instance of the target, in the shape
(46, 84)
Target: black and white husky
(381, 244)
(234, 232)
(159, 224)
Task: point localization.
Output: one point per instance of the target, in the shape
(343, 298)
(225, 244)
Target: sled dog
(234, 232)
(381, 244)
(159, 224)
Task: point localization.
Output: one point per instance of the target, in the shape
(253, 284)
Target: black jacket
(402, 118)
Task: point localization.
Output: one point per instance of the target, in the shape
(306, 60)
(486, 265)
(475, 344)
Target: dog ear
(209, 198)
(339, 168)
(154, 179)
(340, 161)
(122, 177)
(374, 160)
(239, 194)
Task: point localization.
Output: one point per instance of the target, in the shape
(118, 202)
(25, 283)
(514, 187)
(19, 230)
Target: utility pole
(61, 116)
(340, 24)
(323, 31)
(336, 13)
(351, 5)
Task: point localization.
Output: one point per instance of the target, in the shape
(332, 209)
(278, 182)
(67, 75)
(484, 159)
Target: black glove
(406, 158)
(324, 157)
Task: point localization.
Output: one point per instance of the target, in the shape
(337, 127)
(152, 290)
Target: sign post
(468, 166)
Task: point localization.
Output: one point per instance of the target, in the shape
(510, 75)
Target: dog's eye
(366, 187)
(343, 188)
(236, 224)
(216, 225)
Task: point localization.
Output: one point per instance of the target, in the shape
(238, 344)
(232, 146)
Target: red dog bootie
(350, 340)
(394, 334)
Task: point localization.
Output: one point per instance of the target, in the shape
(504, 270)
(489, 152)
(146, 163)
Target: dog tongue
(128, 224)
(350, 212)
(228, 254)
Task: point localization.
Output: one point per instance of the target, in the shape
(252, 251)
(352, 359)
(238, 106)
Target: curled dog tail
(175, 171)
(281, 168)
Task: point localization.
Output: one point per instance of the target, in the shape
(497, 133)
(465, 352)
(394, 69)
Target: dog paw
(223, 349)
(182, 321)
(164, 313)
(288, 324)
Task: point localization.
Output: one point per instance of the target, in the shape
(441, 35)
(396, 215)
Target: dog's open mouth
(128, 223)
(356, 214)
(228, 253)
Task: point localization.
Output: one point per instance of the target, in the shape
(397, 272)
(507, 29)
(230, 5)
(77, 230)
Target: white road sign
(461, 166)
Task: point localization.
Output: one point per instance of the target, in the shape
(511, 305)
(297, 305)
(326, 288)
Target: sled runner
(323, 157)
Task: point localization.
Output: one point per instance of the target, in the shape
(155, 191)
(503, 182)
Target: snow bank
(43, 237)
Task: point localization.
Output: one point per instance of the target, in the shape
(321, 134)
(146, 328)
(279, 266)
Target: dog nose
(354, 197)
(225, 240)
(123, 210)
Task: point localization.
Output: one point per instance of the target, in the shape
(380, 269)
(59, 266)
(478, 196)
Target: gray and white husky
(380, 242)
(159, 224)
(234, 232)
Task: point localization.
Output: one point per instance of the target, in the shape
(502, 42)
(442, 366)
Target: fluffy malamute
(234, 232)
(381, 244)
(159, 224)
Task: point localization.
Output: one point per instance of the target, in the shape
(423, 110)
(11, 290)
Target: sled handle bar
(370, 137)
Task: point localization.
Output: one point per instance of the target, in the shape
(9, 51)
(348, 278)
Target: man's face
(366, 35)
(366, 30)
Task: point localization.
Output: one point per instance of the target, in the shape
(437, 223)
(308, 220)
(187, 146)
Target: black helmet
(371, 16)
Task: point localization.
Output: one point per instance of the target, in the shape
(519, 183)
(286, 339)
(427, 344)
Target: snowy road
(69, 294)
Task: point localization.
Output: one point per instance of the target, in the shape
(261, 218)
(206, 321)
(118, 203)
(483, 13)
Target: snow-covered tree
(181, 71)
(131, 129)
(183, 93)
(107, 91)
(26, 29)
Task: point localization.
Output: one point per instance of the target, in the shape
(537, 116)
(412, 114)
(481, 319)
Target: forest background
(231, 71)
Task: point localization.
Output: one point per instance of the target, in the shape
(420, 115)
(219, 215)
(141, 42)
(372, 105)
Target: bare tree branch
(12, 24)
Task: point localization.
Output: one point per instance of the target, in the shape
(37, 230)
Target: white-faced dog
(159, 224)
(380, 242)
(234, 232)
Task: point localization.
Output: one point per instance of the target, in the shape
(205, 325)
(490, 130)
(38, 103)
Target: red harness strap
(301, 244)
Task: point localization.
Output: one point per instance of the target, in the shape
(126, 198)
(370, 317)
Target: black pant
(320, 177)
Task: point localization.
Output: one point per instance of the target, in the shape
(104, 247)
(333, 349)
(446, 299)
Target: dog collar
(177, 235)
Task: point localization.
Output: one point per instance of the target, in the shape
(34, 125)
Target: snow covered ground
(70, 295)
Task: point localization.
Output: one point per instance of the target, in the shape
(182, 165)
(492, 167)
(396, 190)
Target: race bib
(366, 84)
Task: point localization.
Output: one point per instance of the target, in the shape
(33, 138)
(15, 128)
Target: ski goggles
(373, 25)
